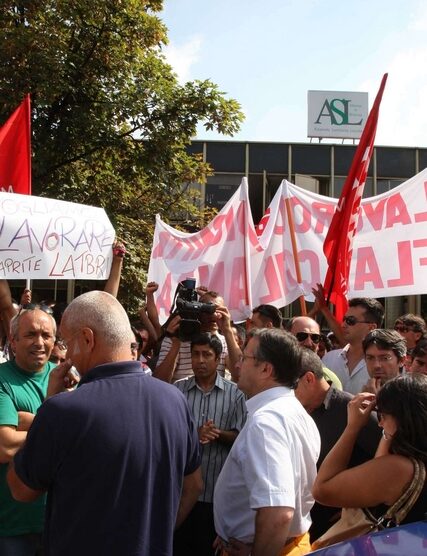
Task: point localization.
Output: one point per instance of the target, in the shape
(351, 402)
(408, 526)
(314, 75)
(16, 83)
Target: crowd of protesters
(122, 436)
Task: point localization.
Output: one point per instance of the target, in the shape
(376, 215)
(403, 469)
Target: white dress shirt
(272, 463)
(336, 360)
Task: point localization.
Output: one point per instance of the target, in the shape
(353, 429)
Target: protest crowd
(202, 436)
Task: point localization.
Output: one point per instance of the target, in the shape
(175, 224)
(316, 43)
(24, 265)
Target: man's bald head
(307, 332)
(96, 330)
(102, 313)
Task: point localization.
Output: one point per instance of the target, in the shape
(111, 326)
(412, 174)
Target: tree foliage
(110, 120)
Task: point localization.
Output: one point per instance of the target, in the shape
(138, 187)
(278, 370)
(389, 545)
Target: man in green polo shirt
(23, 388)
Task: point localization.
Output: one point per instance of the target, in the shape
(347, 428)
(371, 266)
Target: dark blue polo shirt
(112, 455)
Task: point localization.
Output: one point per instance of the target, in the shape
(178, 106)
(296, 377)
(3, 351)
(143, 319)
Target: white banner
(218, 256)
(48, 239)
(389, 251)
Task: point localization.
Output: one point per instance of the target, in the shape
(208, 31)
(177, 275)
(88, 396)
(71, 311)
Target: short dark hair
(282, 350)
(386, 339)
(417, 323)
(374, 311)
(269, 312)
(405, 398)
(208, 339)
(211, 293)
(420, 350)
(310, 361)
(326, 341)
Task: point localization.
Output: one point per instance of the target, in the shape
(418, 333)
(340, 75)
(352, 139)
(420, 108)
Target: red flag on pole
(15, 151)
(338, 245)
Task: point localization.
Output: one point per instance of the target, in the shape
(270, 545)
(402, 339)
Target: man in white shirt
(263, 498)
(363, 315)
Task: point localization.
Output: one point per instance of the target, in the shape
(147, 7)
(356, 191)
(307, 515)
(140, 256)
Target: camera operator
(174, 361)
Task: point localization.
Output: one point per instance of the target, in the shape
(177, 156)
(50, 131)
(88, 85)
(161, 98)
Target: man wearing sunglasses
(307, 332)
(412, 328)
(363, 315)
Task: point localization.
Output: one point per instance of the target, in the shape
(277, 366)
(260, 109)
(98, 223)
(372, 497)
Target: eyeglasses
(351, 321)
(302, 336)
(401, 328)
(34, 306)
(134, 346)
(381, 358)
(244, 356)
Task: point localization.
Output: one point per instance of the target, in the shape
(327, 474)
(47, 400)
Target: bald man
(116, 453)
(307, 332)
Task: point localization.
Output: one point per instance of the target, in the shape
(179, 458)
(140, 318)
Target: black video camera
(189, 309)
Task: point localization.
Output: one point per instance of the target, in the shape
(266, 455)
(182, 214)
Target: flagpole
(28, 118)
(295, 252)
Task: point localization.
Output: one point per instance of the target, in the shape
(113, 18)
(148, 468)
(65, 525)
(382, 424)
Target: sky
(268, 54)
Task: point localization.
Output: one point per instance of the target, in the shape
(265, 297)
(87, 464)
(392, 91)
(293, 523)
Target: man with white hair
(120, 454)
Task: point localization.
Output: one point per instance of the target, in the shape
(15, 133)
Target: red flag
(15, 151)
(338, 245)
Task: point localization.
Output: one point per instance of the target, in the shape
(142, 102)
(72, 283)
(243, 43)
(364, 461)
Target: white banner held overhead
(389, 251)
(44, 238)
(390, 246)
(218, 257)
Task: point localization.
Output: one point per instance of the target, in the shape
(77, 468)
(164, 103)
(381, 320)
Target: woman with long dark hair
(379, 483)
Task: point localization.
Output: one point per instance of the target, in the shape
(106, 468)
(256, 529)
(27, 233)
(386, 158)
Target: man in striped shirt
(219, 410)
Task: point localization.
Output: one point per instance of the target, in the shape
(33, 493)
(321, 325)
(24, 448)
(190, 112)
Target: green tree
(110, 120)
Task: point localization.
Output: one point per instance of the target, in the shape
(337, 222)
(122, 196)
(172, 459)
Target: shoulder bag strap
(400, 509)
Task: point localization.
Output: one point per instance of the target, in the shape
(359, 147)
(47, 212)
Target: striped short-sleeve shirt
(225, 405)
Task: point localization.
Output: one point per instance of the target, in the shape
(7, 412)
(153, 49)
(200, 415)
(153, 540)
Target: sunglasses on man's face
(302, 336)
(351, 321)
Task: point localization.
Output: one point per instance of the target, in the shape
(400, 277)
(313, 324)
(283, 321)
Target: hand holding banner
(44, 238)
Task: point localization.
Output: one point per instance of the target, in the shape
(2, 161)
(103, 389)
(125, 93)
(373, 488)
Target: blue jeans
(21, 545)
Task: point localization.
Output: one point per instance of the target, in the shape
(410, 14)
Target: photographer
(174, 360)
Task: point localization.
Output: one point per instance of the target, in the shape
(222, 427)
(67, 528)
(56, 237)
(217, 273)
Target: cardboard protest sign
(45, 238)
